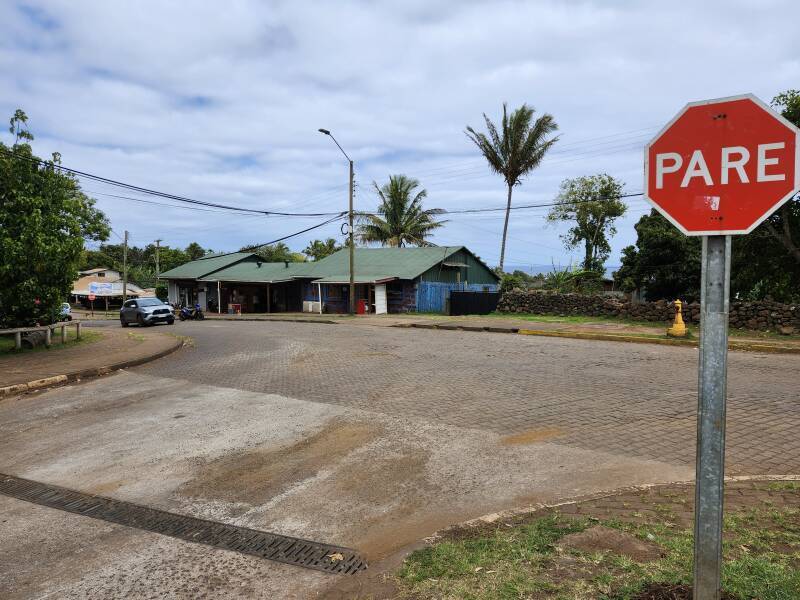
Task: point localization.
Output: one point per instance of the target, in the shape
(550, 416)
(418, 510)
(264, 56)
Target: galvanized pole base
(711, 416)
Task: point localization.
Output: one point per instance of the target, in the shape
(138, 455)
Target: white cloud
(222, 101)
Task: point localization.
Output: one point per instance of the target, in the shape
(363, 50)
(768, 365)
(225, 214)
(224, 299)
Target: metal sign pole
(711, 394)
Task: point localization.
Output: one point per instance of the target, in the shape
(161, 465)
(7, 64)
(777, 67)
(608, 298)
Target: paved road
(364, 436)
(635, 400)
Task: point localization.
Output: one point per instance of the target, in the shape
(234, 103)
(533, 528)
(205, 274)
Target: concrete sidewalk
(116, 349)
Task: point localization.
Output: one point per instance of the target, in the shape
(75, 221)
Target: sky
(221, 102)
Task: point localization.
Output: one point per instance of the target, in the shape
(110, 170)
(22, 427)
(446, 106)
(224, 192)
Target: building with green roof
(387, 280)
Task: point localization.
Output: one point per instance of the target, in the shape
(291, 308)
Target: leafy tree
(527, 278)
(319, 249)
(279, 252)
(509, 281)
(195, 251)
(516, 150)
(141, 261)
(400, 218)
(784, 225)
(765, 263)
(593, 204)
(44, 219)
(573, 280)
(664, 263)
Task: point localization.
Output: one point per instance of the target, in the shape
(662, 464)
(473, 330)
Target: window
(149, 302)
(101, 274)
(130, 304)
(334, 292)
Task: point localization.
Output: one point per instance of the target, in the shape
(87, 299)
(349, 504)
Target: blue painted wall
(433, 296)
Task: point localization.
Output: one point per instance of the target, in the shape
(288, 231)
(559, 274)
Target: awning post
(320, 297)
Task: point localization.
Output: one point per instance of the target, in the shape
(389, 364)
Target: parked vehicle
(145, 311)
(195, 313)
(66, 312)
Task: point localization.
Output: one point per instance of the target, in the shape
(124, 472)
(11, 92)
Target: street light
(352, 296)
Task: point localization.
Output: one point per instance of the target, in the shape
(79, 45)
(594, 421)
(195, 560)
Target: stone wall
(762, 315)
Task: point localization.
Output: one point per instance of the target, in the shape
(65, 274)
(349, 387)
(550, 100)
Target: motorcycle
(195, 313)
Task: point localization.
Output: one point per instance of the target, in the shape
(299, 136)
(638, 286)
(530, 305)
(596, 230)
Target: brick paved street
(637, 400)
(354, 435)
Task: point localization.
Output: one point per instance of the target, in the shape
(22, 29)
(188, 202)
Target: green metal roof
(374, 263)
(371, 264)
(266, 272)
(205, 266)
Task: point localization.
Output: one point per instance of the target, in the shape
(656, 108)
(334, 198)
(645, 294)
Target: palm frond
(400, 218)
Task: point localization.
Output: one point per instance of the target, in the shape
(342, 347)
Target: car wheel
(123, 322)
(171, 322)
(140, 320)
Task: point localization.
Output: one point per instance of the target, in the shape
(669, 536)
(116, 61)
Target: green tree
(195, 251)
(279, 252)
(592, 204)
(765, 263)
(319, 249)
(400, 220)
(44, 220)
(784, 224)
(664, 263)
(516, 150)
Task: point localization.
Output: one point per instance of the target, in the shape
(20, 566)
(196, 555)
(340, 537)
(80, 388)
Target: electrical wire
(291, 235)
(165, 195)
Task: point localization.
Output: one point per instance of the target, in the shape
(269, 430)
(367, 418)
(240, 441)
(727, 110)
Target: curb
(323, 321)
(606, 337)
(600, 494)
(611, 337)
(86, 373)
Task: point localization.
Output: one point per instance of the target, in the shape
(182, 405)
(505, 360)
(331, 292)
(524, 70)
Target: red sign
(720, 167)
(91, 297)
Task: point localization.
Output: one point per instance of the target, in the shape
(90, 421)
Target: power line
(152, 192)
(559, 149)
(522, 206)
(291, 235)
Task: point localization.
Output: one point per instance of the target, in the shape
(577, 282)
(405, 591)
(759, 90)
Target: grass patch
(694, 330)
(87, 337)
(577, 319)
(761, 551)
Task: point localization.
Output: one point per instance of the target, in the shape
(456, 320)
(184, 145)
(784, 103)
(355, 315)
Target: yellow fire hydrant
(678, 328)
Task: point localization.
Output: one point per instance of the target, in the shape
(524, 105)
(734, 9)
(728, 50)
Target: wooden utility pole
(125, 267)
(158, 271)
(352, 249)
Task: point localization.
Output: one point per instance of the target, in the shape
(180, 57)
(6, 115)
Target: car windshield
(150, 302)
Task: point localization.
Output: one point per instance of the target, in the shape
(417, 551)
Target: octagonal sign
(721, 167)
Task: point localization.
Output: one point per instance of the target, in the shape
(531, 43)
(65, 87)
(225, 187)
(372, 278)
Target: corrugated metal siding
(432, 296)
(475, 272)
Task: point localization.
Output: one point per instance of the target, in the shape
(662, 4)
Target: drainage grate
(280, 548)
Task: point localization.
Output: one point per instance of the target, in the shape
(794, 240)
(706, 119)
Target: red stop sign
(720, 167)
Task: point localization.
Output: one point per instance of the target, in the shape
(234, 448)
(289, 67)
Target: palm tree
(400, 218)
(516, 150)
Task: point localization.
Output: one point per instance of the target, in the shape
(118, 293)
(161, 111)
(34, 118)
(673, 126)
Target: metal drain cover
(280, 548)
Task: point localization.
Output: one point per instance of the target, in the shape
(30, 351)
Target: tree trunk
(785, 237)
(589, 255)
(505, 228)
